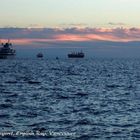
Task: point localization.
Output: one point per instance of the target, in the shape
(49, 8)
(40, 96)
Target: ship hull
(75, 56)
(6, 56)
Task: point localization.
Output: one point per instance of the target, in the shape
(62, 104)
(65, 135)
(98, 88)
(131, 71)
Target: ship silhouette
(76, 55)
(6, 50)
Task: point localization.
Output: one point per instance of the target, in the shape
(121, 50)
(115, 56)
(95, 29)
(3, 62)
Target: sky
(65, 13)
(65, 23)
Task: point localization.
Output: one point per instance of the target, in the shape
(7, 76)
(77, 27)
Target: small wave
(113, 86)
(73, 74)
(27, 115)
(4, 106)
(3, 71)
(136, 131)
(83, 122)
(62, 96)
(34, 82)
(4, 116)
(98, 112)
(37, 124)
(13, 95)
(56, 69)
(7, 92)
(6, 125)
(81, 94)
(9, 101)
(84, 137)
(39, 129)
(123, 125)
(11, 82)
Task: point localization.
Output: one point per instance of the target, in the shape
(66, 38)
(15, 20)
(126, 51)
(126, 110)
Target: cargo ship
(76, 55)
(6, 50)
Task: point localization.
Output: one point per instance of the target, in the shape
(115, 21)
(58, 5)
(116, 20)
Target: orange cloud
(70, 37)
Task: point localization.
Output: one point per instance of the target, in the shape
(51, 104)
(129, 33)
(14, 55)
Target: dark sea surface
(75, 99)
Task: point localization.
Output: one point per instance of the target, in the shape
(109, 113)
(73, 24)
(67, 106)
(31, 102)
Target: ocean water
(75, 99)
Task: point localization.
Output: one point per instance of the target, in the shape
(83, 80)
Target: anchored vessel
(76, 55)
(40, 55)
(6, 51)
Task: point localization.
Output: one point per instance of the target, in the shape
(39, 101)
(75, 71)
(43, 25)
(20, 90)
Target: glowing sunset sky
(43, 21)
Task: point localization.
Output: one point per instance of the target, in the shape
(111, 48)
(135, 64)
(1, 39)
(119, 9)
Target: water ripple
(96, 99)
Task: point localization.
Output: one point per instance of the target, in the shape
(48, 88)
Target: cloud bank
(46, 35)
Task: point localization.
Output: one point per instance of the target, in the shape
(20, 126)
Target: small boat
(39, 55)
(57, 58)
(6, 51)
(76, 55)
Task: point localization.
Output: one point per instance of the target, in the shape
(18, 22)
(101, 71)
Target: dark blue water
(70, 99)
